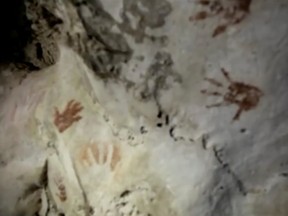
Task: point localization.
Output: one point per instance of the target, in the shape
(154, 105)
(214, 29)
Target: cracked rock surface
(144, 108)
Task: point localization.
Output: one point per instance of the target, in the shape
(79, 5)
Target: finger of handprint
(63, 127)
(102, 153)
(56, 112)
(215, 105)
(237, 115)
(76, 111)
(70, 104)
(226, 74)
(211, 93)
(77, 106)
(86, 164)
(214, 82)
(90, 156)
(83, 156)
(58, 123)
(109, 154)
(76, 118)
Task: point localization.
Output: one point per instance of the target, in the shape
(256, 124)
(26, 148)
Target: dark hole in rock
(16, 31)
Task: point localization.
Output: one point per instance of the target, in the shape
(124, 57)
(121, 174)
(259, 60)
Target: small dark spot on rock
(243, 130)
(123, 203)
(39, 51)
(159, 114)
(61, 214)
(144, 95)
(112, 68)
(167, 121)
(159, 124)
(91, 210)
(171, 131)
(125, 193)
(284, 174)
(143, 130)
(205, 138)
(39, 201)
(79, 3)
(153, 38)
(204, 2)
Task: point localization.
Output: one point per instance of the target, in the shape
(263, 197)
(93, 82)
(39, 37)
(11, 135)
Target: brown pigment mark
(243, 95)
(115, 157)
(219, 30)
(199, 16)
(70, 115)
(231, 12)
(62, 195)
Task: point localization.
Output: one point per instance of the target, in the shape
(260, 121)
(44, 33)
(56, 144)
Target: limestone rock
(148, 108)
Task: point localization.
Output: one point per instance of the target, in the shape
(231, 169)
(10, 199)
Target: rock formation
(144, 107)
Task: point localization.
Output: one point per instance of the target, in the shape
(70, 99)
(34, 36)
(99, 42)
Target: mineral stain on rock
(29, 38)
(103, 50)
(150, 13)
(157, 76)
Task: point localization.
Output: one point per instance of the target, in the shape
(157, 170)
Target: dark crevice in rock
(52, 20)
(39, 51)
(27, 39)
(104, 50)
(16, 31)
(226, 167)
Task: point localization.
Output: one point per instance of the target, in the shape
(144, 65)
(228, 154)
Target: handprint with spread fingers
(243, 95)
(70, 115)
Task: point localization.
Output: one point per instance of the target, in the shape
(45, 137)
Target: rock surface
(145, 107)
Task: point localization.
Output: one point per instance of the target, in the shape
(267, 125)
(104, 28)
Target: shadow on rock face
(16, 31)
(29, 33)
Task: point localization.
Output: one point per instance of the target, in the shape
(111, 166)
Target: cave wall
(142, 107)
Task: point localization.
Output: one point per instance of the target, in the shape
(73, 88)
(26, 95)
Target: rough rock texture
(146, 107)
